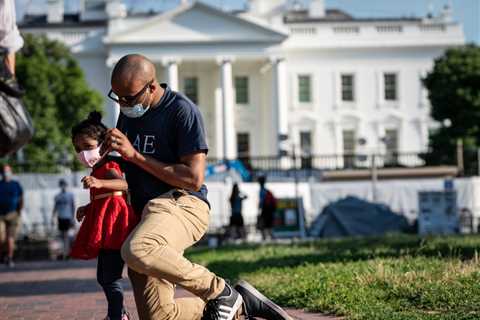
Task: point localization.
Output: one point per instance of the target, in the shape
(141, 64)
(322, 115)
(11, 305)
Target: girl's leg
(109, 276)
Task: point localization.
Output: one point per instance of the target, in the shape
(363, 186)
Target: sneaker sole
(248, 287)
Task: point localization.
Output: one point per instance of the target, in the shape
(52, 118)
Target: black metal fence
(336, 162)
(308, 165)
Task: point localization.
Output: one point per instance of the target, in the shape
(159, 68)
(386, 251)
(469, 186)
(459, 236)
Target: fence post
(460, 162)
(374, 178)
(478, 161)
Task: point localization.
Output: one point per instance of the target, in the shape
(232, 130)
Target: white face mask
(7, 175)
(89, 157)
(134, 112)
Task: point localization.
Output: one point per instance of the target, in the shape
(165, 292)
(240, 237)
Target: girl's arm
(114, 182)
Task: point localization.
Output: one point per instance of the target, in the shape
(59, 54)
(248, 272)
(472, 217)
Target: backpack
(270, 201)
(16, 128)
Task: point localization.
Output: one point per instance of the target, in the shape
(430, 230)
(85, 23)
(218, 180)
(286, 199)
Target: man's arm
(20, 201)
(189, 174)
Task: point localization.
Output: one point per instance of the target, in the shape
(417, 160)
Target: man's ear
(152, 87)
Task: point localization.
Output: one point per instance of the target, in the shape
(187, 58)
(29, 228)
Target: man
(267, 206)
(11, 204)
(64, 211)
(161, 136)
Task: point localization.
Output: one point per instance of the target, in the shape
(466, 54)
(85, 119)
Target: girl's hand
(80, 213)
(92, 182)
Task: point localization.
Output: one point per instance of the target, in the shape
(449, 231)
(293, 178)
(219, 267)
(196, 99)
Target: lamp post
(373, 165)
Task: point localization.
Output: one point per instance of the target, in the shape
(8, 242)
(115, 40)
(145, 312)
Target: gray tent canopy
(355, 217)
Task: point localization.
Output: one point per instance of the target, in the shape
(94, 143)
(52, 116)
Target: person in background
(11, 204)
(237, 226)
(267, 206)
(10, 42)
(64, 211)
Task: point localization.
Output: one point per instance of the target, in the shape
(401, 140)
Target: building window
(391, 144)
(191, 88)
(349, 138)
(241, 89)
(243, 145)
(304, 89)
(306, 149)
(348, 87)
(390, 85)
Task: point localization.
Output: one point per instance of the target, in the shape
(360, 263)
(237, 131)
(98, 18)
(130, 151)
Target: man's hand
(80, 213)
(115, 140)
(91, 182)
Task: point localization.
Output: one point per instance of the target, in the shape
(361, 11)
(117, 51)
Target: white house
(324, 78)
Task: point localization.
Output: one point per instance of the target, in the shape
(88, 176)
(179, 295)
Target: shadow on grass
(344, 251)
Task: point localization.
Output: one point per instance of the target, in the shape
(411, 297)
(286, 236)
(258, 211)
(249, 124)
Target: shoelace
(211, 311)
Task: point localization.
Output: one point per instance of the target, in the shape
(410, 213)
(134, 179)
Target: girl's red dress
(107, 221)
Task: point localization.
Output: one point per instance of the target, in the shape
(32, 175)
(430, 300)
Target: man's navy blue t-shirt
(10, 194)
(172, 129)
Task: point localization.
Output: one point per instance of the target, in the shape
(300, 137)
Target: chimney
(265, 7)
(317, 9)
(447, 14)
(55, 10)
(116, 9)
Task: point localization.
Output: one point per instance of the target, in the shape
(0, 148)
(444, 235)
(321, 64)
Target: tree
(454, 92)
(57, 97)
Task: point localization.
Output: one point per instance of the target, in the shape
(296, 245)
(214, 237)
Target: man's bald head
(132, 72)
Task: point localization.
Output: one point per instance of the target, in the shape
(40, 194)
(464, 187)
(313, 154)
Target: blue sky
(465, 11)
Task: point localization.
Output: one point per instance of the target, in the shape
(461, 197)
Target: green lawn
(397, 277)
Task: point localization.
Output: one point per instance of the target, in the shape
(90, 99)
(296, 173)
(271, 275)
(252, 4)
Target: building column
(338, 138)
(218, 118)
(279, 101)
(228, 116)
(113, 108)
(381, 134)
(171, 64)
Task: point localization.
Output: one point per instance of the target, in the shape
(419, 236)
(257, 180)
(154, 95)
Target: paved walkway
(65, 290)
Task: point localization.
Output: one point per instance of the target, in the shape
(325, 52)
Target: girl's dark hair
(91, 127)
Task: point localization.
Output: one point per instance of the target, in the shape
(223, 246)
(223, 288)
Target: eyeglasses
(128, 99)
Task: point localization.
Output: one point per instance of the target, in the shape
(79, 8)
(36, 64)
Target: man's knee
(137, 251)
(164, 312)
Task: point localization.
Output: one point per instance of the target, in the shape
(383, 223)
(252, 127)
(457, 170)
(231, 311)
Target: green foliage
(454, 94)
(57, 97)
(395, 277)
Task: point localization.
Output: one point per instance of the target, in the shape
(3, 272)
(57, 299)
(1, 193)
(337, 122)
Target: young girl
(107, 219)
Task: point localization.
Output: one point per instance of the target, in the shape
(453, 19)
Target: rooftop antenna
(430, 9)
(297, 5)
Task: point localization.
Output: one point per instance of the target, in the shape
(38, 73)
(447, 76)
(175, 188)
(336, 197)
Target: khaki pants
(9, 225)
(154, 255)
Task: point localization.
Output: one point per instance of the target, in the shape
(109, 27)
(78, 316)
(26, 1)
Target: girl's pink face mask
(89, 157)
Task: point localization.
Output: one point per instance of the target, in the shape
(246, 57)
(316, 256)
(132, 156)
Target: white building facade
(331, 83)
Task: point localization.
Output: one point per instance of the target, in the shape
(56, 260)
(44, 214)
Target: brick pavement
(65, 290)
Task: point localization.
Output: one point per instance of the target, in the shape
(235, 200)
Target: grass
(396, 277)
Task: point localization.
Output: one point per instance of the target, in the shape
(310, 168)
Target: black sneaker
(257, 305)
(9, 262)
(226, 306)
